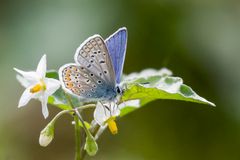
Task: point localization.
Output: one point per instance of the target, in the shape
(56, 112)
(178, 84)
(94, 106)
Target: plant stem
(79, 152)
(77, 131)
(77, 139)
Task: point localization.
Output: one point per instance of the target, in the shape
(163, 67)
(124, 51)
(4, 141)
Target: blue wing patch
(116, 45)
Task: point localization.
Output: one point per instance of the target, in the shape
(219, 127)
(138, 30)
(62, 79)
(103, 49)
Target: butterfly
(97, 71)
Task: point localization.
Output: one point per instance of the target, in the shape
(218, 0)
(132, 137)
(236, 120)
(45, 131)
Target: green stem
(77, 139)
(79, 153)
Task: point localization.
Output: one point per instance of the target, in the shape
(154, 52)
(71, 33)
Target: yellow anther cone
(112, 126)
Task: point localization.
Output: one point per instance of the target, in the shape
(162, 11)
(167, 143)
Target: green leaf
(59, 99)
(52, 74)
(150, 85)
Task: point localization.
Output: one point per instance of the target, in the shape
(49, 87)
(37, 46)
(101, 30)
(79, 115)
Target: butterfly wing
(81, 82)
(116, 45)
(92, 76)
(93, 55)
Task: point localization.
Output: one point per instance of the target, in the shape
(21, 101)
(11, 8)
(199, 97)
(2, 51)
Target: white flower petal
(101, 114)
(44, 99)
(25, 98)
(52, 85)
(131, 103)
(23, 81)
(31, 76)
(114, 109)
(42, 67)
(105, 111)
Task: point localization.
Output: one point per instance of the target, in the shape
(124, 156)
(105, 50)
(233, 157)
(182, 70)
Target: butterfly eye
(119, 91)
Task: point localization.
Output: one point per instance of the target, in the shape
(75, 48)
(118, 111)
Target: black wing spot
(99, 82)
(89, 65)
(105, 72)
(91, 75)
(99, 51)
(101, 61)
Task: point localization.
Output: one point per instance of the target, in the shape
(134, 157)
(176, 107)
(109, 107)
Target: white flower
(106, 113)
(37, 85)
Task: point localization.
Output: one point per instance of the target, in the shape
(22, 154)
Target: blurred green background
(198, 40)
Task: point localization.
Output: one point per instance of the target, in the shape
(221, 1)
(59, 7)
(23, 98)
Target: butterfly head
(119, 90)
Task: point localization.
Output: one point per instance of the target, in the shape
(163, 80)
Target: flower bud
(91, 146)
(47, 135)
